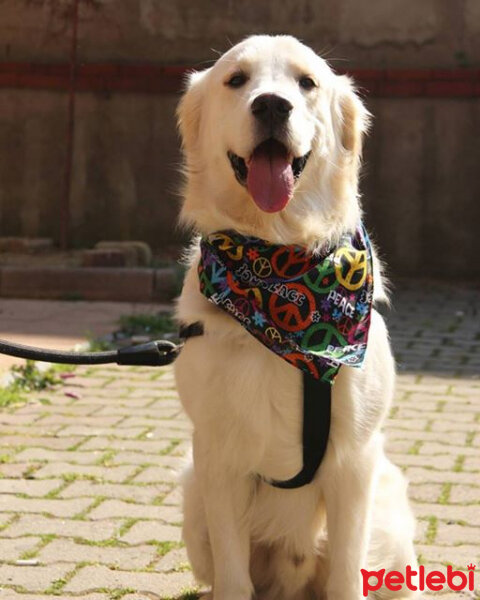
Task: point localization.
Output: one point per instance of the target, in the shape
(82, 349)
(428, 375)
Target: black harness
(317, 402)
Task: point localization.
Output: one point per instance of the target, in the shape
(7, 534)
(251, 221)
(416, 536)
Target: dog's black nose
(271, 109)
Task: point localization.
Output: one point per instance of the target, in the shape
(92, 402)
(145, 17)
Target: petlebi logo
(434, 581)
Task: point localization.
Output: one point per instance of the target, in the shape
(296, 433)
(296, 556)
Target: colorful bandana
(312, 310)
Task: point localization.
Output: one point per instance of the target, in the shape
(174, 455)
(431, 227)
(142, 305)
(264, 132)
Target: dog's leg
(226, 499)
(195, 531)
(348, 483)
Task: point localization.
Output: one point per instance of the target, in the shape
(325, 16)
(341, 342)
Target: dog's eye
(307, 83)
(236, 80)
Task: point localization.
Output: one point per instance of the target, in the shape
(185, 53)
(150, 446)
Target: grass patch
(431, 533)
(126, 526)
(470, 438)
(415, 448)
(445, 493)
(96, 502)
(170, 448)
(164, 548)
(106, 459)
(57, 586)
(28, 378)
(458, 466)
(154, 325)
(45, 540)
(120, 593)
(147, 324)
(186, 595)
(9, 396)
(98, 345)
(56, 491)
(110, 543)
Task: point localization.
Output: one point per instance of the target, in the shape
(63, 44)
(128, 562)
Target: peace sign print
(243, 305)
(299, 360)
(323, 278)
(252, 293)
(320, 336)
(359, 332)
(205, 284)
(234, 251)
(273, 334)
(290, 262)
(345, 326)
(351, 267)
(286, 314)
(262, 267)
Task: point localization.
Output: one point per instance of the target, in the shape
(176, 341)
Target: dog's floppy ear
(351, 115)
(189, 110)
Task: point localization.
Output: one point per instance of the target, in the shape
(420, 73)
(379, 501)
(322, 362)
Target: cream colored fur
(245, 538)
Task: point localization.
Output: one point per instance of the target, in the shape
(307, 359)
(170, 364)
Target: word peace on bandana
(312, 310)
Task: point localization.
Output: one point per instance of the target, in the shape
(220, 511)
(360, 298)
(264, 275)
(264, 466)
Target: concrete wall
(376, 33)
(421, 183)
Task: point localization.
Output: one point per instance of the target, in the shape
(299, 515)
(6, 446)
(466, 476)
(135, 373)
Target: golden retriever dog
(245, 538)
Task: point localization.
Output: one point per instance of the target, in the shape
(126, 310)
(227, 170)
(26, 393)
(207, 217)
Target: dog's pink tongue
(270, 176)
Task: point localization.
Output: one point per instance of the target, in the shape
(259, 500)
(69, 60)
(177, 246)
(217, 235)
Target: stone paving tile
(53, 443)
(58, 456)
(28, 486)
(459, 556)
(9, 594)
(58, 551)
(117, 509)
(12, 549)
(58, 508)
(451, 534)
(162, 584)
(104, 464)
(142, 494)
(146, 531)
(107, 473)
(173, 561)
(32, 579)
(140, 445)
(155, 475)
(86, 430)
(98, 531)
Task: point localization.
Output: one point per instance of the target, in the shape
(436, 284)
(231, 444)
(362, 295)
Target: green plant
(99, 345)
(156, 324)
(29, 378)
(9, 396)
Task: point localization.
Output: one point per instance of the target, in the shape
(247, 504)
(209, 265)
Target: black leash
(151, 354)
(317, 398)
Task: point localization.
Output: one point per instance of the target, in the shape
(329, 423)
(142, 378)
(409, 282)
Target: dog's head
(272, 140)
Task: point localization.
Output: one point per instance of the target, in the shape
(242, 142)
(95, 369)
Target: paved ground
(88, 494)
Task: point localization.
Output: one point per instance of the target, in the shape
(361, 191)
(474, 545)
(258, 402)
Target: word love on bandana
(313, 311)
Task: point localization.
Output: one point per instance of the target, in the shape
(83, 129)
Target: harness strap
(317, 403)
(192, 330)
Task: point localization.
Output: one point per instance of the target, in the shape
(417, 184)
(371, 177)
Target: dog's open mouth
(269, 174)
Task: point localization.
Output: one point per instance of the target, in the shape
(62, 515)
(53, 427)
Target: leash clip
(151, 354)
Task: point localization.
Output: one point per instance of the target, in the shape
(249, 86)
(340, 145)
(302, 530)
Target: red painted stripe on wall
(156, 79)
